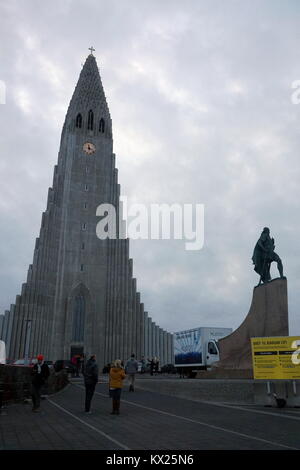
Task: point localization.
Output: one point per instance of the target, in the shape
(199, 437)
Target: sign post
(27, 342)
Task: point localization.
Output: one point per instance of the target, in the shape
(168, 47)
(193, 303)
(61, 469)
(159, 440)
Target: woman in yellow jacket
(116, 377)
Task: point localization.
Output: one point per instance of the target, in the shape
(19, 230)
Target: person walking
(74, 362)
(131, 369)
(78, 365)
(82, 363)
(40, 374)
(90, 381)
(156, 365)
(116, 377)
(143, 365)
(151, 366)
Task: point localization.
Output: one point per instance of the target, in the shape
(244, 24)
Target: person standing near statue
(90, 381)
(40, 374)
(264, 255)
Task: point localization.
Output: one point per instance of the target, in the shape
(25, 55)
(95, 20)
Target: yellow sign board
(276, 357)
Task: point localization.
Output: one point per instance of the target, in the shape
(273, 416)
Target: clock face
(89, 148)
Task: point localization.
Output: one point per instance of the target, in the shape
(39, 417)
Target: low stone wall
(225, 374)
(15, 382)
(225, 391)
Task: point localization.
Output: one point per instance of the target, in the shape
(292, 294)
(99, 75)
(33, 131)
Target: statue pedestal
(268, 316)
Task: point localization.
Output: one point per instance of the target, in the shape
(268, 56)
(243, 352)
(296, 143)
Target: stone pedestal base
(268, 316)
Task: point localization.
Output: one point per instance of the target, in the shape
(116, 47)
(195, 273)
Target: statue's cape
(258, 259)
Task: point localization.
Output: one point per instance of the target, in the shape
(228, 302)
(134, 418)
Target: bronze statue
(263, 256)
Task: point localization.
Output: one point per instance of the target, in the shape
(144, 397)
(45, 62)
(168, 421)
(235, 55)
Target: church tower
(80, 296)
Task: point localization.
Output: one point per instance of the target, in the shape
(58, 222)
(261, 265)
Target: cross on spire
(91, 49)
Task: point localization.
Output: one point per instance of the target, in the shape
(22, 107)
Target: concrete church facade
(80, 295)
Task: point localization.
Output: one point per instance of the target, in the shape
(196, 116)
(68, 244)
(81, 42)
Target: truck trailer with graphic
(197, 348)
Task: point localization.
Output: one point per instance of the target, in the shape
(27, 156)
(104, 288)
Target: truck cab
(212, 352)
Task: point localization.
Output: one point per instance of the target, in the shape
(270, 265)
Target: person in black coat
(40, 374)
(152, 364)
(90, 381)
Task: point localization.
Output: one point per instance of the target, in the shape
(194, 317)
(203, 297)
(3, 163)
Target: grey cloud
(199, 95)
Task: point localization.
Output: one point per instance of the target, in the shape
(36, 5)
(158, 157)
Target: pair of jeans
(89, 392)
(131, 379)
(36, 395)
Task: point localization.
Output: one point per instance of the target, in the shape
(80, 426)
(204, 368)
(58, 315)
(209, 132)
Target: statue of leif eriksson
(263, 256)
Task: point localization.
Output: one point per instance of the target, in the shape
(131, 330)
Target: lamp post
(27, 341)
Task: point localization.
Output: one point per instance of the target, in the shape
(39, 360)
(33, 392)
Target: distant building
(80, 296)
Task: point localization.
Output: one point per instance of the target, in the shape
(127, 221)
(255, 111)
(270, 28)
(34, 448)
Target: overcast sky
(200, 98)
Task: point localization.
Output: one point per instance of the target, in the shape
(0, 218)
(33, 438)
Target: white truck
(197, 348)
(2, 352)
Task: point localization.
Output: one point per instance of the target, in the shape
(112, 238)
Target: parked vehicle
(21, 362)
(64, 364)
(106, 369)
(49, 364)
(197, 348)
(2, 352)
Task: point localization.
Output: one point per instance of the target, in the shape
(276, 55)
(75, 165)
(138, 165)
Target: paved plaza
(148, 420)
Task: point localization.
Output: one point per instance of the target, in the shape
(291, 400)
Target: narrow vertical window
(102, 125)
(85, 205)
(90, 120)
(86, 188)
(79, 120)
(83, 226)
(82, 246)
(78, 317)
(81, 267)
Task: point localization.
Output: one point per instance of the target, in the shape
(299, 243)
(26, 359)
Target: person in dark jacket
(78, 365)
(156, 365)
(151, 365)
(90, 381)
(82, 363)
(40, 374)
